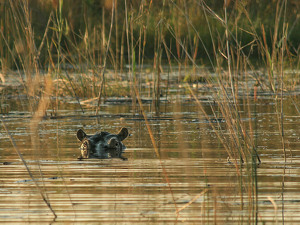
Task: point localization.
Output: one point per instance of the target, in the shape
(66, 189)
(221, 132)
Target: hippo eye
(85, 145)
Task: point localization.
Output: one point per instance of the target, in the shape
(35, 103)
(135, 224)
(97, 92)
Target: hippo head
(102, 145)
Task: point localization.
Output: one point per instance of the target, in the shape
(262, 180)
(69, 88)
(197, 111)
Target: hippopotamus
(102, 145)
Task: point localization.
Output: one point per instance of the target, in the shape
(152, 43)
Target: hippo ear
(123, 133)
(81, 135)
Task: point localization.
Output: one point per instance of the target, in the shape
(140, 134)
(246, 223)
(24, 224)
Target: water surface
(191, 183)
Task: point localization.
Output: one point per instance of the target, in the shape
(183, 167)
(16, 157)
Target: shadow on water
(205, 186)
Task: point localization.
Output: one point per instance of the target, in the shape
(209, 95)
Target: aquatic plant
(159, 50)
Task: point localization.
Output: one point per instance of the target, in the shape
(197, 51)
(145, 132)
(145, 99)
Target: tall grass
(82, 57)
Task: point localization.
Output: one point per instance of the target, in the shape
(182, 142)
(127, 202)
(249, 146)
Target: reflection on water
(203, 186)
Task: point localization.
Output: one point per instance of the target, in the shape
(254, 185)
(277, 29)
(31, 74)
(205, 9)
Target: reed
(105, 54)
(39, 189)
(104, 63)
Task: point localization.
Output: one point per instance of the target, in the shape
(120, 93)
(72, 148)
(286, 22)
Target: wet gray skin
(102, 145)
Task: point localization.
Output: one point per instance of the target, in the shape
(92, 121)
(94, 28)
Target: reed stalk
(133, 76)
(105, 59)
(165, 173)
(117, 49)
(40, 191)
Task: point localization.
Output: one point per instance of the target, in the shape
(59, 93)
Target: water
(192, 183)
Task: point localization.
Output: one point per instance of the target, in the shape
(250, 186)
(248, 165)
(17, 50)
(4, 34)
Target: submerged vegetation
(149, 50)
